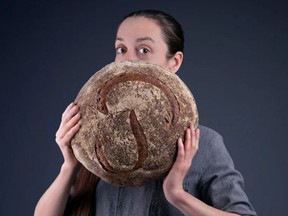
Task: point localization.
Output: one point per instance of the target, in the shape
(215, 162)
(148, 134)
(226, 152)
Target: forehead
(139, 27)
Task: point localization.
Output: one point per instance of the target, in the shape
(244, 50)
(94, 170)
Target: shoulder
(209, 136)
(212, 149)
(208, 131)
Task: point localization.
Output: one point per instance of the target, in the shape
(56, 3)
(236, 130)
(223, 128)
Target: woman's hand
(173, 183)
(68, 128)
(55, 198)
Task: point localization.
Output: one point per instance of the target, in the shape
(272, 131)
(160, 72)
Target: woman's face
(139, 38)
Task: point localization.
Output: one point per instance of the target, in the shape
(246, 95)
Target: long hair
(82, 199)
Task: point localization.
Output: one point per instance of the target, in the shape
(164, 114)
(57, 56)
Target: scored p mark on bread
(137, 130)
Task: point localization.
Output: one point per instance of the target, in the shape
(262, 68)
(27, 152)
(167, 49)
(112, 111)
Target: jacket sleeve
(220, 184)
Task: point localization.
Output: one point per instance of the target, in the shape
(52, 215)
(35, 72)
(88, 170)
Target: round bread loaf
(132, 116)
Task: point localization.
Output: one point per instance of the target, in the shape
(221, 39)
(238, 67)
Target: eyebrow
(141, 39)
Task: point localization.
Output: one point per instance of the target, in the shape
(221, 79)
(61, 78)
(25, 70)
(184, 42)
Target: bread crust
(132, 116)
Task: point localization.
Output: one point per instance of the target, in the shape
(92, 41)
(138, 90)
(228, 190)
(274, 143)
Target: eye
(144, 50)
(120, 50)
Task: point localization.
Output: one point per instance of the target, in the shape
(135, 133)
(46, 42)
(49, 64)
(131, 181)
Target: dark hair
(171, 28)
(82, 201)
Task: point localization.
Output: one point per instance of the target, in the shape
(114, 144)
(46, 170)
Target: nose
(128, 56)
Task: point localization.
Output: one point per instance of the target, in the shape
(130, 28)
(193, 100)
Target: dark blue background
(235, 64)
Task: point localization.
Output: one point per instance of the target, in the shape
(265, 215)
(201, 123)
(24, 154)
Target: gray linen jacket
(212, 178)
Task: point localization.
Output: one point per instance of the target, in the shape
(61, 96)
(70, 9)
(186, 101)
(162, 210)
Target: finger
(182, 163)
(195, 140)
(65, 127)
(193, 135)
(70, 134)
(180, 151)
(73, 121)
(188, 139)
(71, 110)
(197, 137)
(188, 143)
(68, 108)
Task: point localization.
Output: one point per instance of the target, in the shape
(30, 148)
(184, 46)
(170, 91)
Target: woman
(208, 186)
